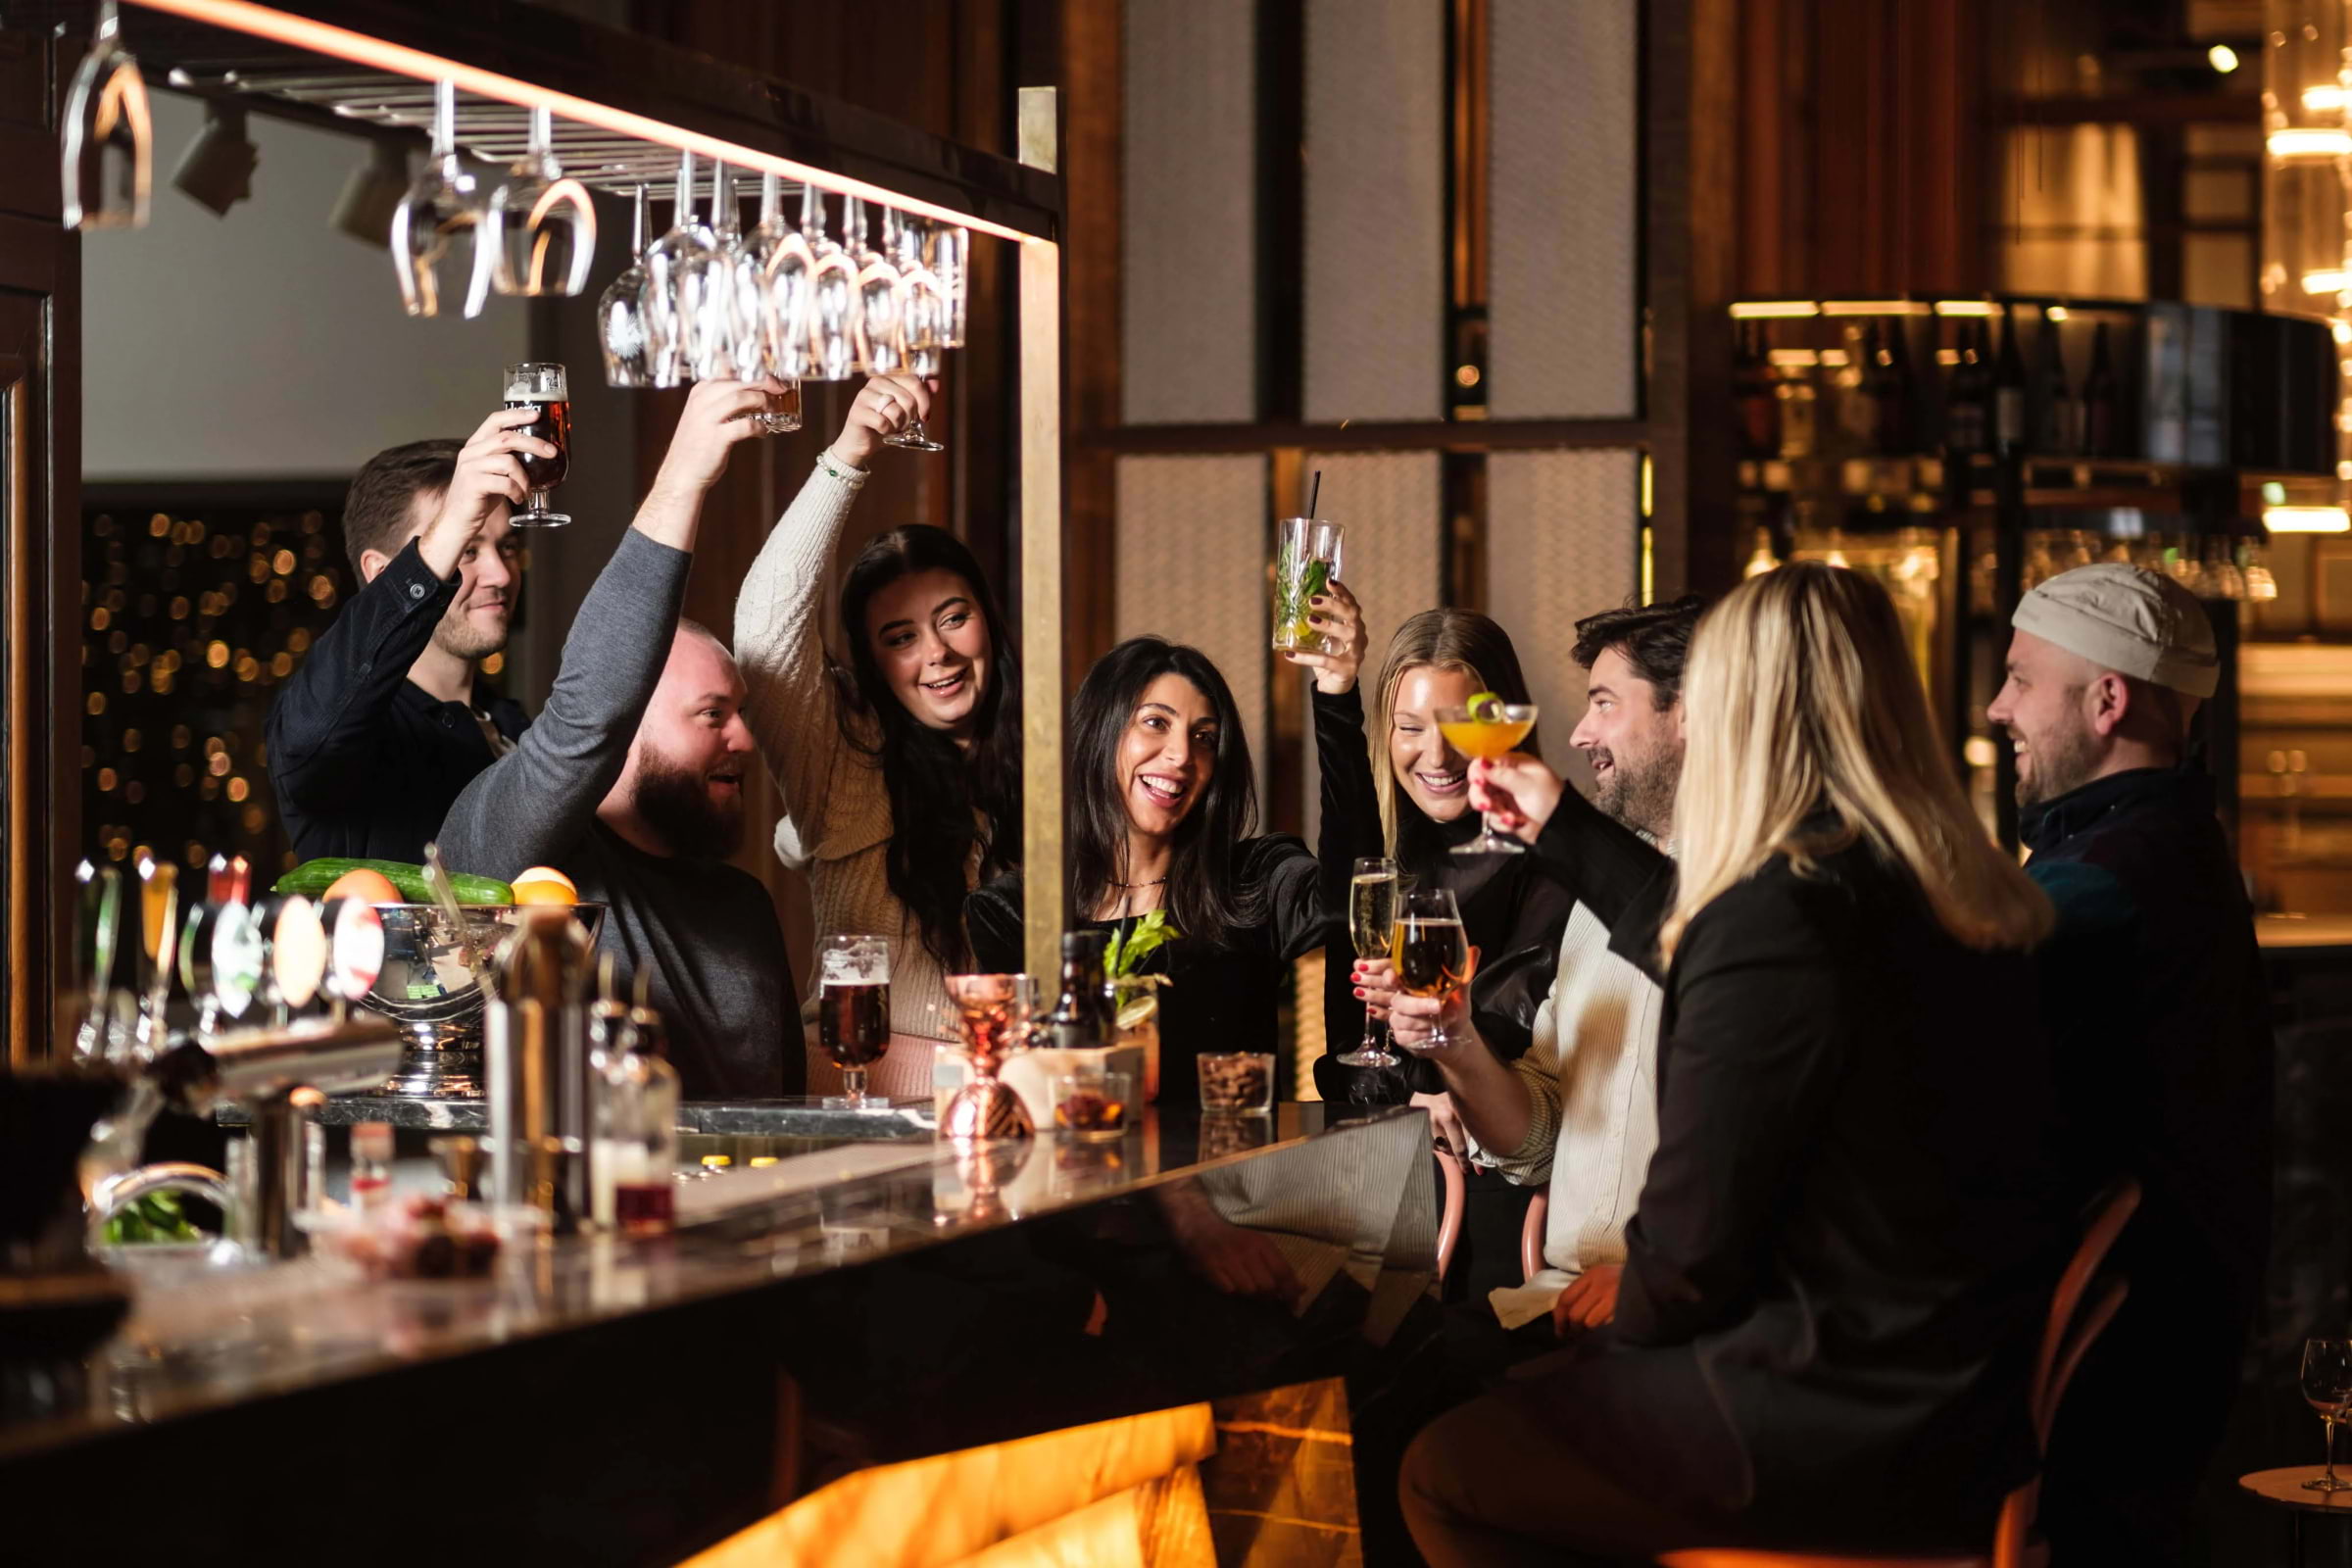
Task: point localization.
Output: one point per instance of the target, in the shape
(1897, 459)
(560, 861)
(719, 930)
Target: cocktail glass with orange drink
(1486, 726)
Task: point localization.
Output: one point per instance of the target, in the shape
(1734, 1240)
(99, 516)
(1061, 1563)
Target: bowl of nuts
(1237, 1082)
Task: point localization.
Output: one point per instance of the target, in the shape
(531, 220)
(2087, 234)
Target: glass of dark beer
(542, 388)
(852, 1015)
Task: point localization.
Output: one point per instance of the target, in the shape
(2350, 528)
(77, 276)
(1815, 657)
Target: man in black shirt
(386, 719)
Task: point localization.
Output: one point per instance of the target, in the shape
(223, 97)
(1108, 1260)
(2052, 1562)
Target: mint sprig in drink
(1306, 559)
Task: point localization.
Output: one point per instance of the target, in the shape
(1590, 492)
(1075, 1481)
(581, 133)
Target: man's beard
(676, 803)
(2062, 764)
(459, 636)
(1640, 792)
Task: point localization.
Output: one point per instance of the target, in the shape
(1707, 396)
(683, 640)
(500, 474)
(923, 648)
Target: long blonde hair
(1459, 641)
(1800, 695)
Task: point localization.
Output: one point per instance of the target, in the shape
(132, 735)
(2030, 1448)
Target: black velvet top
(1226, 993)
(1511, 913)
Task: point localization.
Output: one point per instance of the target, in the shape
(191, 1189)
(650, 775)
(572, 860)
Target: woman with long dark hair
(1161, 813)
(900, 766)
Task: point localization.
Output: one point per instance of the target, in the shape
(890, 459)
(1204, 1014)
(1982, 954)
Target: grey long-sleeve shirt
(703, 930)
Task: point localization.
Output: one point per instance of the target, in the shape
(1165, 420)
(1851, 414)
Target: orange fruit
(543, 884)
(365, 884)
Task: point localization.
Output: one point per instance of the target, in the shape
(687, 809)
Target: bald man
(631, 783)
(2160, 1028)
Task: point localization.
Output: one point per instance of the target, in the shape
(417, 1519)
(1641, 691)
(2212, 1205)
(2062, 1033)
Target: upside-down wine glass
(438, 208)
(706, 286)
(107, 141)
(665, 327)
(922, 317)
(947, 254)
(876, 334)
(620, 313)
(784, 306)
(755, 341)
(833, 326)
(539, 227)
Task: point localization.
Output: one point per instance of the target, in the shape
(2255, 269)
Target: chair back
(2081, 1308)
(1531, 1234)
(1449, 1217)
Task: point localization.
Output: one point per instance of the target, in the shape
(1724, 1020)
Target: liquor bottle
(2060, 426)
(1897, 430)
(637, 1131)
(1966, 392)
(1799, 402)
(2009, 392)
(2102, 403)
(1857, 389)
(1081, 1019)
(1754, 395)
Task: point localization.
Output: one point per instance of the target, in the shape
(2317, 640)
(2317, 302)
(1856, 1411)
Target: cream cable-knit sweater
(836, 822)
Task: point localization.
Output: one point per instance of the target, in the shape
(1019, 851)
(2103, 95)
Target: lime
(1478, 705)
(1139, 1012)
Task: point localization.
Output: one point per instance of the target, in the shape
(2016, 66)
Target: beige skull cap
(2129, 619)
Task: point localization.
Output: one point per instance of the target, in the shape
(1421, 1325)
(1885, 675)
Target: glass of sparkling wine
(1430, 950)
(2327, 1387)
(852, 1015)
(1306, 559)
(1488, 727)
(1372, 925)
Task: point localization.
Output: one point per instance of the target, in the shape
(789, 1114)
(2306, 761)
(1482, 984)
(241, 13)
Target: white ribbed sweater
(836, 824)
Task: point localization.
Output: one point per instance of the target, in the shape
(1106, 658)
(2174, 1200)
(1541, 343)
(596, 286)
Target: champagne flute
(1486, 728)
(1430, 949)
(2327, 1385)
(1372, 926)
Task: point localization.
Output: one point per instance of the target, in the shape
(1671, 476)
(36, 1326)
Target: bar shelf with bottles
(1962, 448)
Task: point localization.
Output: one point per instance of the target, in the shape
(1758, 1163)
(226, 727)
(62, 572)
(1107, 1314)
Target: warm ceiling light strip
(262, 21)
(2306, 520)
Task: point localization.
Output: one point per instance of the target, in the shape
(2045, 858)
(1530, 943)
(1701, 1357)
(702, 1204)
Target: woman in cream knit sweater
(920, 725)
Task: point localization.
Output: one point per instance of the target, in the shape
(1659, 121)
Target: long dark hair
(945, 800)
(1438, 639)
(1200, 896)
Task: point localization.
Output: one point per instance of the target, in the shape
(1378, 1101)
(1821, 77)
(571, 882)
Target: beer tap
(98, 923)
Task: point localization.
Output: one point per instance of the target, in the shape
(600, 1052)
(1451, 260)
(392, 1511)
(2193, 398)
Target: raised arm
(1606, 865)
(791, 707)
(533, 805)
(327, 720)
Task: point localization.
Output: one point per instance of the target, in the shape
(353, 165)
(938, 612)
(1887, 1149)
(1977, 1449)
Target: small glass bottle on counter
(372, 1167)
(637, 1137)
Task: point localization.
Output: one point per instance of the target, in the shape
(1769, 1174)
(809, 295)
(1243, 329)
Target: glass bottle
(638, 1134)
(1081, 1019)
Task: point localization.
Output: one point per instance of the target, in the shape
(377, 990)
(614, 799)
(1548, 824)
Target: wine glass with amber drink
(1488, 727)
(1430, 950)
(853, 1012)
(542, 389)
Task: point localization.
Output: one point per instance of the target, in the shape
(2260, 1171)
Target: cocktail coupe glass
(923, 312)
(1488, 728)
(991, 1013)
(439, 208)
(538, 226)
(620, 312)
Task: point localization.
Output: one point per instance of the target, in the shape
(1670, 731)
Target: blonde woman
(1841, 1254)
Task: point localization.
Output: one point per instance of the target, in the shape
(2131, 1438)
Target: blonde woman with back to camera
(1843, 1252)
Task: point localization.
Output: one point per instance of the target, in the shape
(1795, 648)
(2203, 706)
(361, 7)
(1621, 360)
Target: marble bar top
(603, 1400)
(772, 1118)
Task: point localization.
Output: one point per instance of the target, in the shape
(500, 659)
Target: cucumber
(313, 877)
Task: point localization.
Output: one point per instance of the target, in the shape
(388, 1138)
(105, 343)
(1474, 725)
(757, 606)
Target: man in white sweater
(1579, 1109)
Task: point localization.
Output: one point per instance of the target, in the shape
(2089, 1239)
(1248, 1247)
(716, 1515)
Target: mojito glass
(1307, 558)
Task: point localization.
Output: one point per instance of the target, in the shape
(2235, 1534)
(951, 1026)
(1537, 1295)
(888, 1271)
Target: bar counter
(599, 1399)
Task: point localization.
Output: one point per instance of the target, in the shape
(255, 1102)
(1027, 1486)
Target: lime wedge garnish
(1139, 1012)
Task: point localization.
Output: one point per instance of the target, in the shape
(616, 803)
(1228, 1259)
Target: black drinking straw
(1313, 491)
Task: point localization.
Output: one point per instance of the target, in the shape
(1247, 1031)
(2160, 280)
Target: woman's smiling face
(1434, 774)
(930, 641)
(1167, 754)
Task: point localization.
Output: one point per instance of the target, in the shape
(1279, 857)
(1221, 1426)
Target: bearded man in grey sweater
(631, 783)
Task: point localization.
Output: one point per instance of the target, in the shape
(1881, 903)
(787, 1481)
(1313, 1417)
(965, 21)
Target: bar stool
(2073, 1324)
(1531, 1234)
